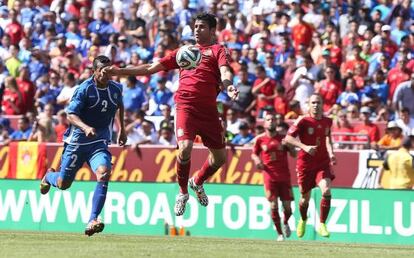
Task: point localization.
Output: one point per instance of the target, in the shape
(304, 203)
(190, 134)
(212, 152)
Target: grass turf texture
(60, 245)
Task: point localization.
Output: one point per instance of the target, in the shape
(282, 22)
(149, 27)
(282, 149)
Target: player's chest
(271, 146)
(315, 130)
(102, 101)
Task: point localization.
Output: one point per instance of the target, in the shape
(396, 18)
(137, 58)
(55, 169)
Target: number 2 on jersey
(104, 105)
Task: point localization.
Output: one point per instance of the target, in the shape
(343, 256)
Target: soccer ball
(188, 57)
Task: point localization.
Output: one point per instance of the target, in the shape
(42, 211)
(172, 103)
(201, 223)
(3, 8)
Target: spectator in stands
(145, 134)
(398, 167)
(62, 125)
(302, 31)
(398, 75)
(167, 137)
(43, 130)
(4, 135)
(48, 88)
(244, 137)
(161, 96)
(341, 131)
(69, 87)
(26, 88)
(303, 82)
(404, 96)
(13, 63)
(280, 103)
(245, 102)
(405, 122)
(329, 89)
(233, 121)
(134, 95)
(23, 131)
(392, 139)
(294, 110)
(350, 95)
(264, 89)
(12, 102)
(369, 132)
(168, 119)
(14, 29)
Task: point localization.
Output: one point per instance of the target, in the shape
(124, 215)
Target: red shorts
(308, 179)
(273, 190)
(204, 122)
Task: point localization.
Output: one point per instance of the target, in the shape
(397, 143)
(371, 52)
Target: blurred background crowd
(357, 54)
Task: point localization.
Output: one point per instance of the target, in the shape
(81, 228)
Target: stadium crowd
(357, 54)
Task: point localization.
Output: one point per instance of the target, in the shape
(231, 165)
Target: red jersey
(371, 129)
(395, 77)
(268, 90)
(329, 91)
(302, 34)
(199, 87)
(312, 132)
(274, 157)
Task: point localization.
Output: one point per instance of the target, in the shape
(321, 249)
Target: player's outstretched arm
(144, 69)
(227, 80)
(76, 121)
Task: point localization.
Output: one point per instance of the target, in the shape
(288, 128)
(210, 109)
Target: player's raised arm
(144, 69)
(227, 80)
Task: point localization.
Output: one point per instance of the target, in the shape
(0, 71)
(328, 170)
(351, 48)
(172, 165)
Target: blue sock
(51, 178)
(98, 199)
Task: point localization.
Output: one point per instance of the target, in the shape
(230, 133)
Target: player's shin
(98, 200)
(276, 220)
(52, 178)
(287, 214)
(303, 209)
(325, 206)
(183, 172)
(205, 172)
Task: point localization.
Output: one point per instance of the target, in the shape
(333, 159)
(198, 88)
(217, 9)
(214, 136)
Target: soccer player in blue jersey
(91, 114)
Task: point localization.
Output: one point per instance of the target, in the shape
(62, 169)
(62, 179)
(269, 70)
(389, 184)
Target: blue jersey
(95, 107)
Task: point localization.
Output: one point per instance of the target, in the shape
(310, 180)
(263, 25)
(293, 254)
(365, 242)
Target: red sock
(183, 171)
(276, 220)
(303, 208)
(286, 216)
(324, 208)
(205, 172)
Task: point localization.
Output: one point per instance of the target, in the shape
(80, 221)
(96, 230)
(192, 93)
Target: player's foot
(300, 229)
(286, 230)
(94, 226)
(199, 190)
(280, 238)
(180, 203)
(45, 186)
(323, 230)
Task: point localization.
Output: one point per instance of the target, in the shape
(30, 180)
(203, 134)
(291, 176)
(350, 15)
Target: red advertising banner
(157, 164)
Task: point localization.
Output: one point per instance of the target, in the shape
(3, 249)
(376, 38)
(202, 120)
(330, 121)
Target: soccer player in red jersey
(196, 110)
(270, 155)
(314, 161)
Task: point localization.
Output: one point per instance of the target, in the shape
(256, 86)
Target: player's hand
(333, 160)
(90, 132)
(233, 92)
(260, 166)
(311, 150)
(122, 138)
(109, 70)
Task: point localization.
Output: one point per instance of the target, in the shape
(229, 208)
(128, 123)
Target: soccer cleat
(323, 230)
(180, 203)
(300, 229)
(280, 238)
(199, 190)
(94, 226)
(45, 186)
(286, 230)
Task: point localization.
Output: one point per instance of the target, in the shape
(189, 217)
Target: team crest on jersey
(180, 132)
(115, 95)
(264, 147)
(311, 130)
(208, 52)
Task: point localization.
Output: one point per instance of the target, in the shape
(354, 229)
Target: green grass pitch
(61, 245)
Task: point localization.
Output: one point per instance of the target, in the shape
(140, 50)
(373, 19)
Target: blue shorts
(74, 156)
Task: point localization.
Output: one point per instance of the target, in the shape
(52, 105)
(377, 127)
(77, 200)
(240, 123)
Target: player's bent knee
(63, 184)
(103, 174)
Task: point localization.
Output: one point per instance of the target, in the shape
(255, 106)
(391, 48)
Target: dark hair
(100, 61)
(405, 110)
(209, 18)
